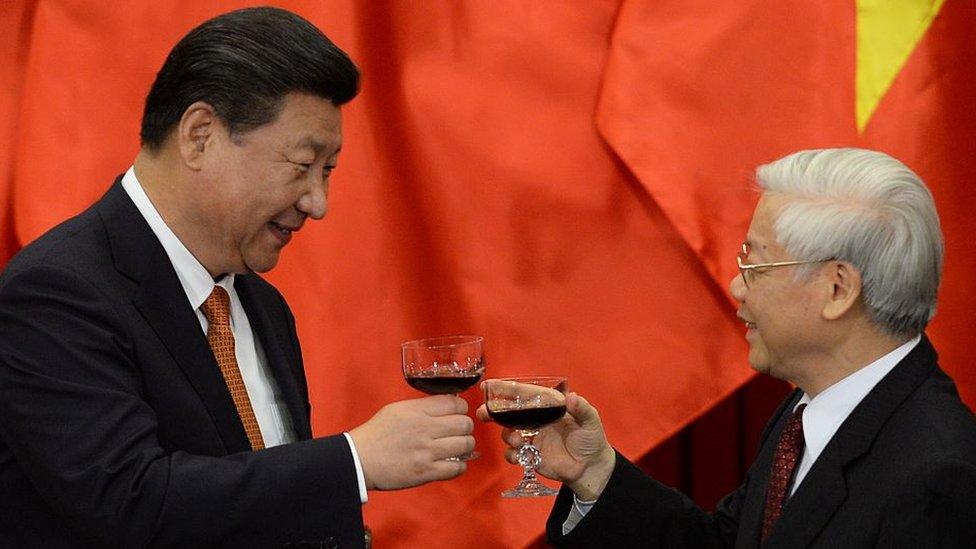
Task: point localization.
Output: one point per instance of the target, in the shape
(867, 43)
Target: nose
(737, 287)
(314, 202)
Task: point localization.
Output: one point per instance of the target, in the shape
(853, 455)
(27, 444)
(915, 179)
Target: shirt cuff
(363, 497)
(576, 513)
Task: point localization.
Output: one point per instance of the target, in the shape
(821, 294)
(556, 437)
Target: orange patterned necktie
(217, 310)
(785, 459)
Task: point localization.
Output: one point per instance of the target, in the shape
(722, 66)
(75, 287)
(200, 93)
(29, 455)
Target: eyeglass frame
(744, 267)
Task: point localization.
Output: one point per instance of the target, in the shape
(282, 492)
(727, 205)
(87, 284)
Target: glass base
(473, 454)
(529, 488)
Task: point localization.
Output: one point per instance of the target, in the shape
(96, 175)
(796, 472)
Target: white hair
(868, 209)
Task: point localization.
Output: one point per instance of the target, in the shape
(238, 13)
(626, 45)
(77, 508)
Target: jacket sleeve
(635, 510)
(74, 417)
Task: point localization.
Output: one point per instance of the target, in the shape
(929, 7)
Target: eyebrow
(309, 142)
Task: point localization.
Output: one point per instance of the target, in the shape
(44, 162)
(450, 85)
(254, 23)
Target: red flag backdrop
(568, 179)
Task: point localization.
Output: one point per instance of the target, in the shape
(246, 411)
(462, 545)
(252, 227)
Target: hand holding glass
(444, 366)
(526, 404)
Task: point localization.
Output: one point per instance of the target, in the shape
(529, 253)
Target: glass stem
(528, 456)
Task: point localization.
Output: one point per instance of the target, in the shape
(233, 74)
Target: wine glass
(444, 366)
(526, 404)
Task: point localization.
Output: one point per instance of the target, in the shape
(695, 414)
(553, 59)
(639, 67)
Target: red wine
(527, 418)
(442, 385)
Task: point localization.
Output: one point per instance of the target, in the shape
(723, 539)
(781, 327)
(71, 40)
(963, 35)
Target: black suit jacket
(116, 426)
(900, 472)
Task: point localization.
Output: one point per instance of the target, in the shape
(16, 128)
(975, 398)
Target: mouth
(749, 325)
(282, 232)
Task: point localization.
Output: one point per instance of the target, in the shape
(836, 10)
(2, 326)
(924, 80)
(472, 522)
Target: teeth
(751, 325)
(281, 229)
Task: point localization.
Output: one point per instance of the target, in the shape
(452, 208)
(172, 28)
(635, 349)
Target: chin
(759, 363)
(760, 368)
(260, 265)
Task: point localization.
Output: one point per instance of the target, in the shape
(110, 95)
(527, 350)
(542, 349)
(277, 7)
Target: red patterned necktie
(787, 454)
(217, 310)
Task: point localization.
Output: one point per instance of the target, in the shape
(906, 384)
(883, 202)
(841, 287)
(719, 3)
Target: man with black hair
(152, 390)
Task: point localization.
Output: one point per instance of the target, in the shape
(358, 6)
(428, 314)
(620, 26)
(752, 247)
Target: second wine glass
(444, 366)
(526, 404)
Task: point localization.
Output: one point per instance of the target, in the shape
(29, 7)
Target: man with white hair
(838, 279)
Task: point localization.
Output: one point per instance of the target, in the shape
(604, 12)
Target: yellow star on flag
(887, 33)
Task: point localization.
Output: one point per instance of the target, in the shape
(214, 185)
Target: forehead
(762, 233)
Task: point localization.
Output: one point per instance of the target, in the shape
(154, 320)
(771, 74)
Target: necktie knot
(217, 307)
(792, 437)
(785, 458)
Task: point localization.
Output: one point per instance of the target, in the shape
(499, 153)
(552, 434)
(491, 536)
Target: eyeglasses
(749, 271)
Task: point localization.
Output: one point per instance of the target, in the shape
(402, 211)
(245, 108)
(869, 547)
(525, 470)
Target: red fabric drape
(568, 179)
(15, 21)
(695, 97)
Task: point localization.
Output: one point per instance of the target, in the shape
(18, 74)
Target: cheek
(277, 190)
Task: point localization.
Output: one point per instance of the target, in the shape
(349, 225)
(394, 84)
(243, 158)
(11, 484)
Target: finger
(442, 405)
(512, 438)
(482, 413)
(447, 447)
(581, 410)
(503, 391)
(445, 469)
(449, 426)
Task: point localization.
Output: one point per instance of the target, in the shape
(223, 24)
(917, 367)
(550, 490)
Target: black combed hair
(243, 63)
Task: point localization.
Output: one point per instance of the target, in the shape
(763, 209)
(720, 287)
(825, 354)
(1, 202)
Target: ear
(843, 289)
(195, 133)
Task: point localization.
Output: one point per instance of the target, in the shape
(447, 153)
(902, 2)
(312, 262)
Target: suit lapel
(162, 302)
(273, 340)
(815, 501)
(824, 489)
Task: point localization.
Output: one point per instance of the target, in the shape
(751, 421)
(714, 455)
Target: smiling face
(257, 188)
(782, 314)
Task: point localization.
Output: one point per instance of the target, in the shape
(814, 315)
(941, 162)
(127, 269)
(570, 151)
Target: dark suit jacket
(116, 427)
(900, 472)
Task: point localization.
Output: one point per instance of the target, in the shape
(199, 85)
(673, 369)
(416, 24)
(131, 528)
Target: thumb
(581, 410)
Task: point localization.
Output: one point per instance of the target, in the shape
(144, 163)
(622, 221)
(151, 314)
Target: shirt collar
(826, 412)
(196, 281)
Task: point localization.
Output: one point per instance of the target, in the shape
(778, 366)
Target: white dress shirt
(824, 414)
(270, 409)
